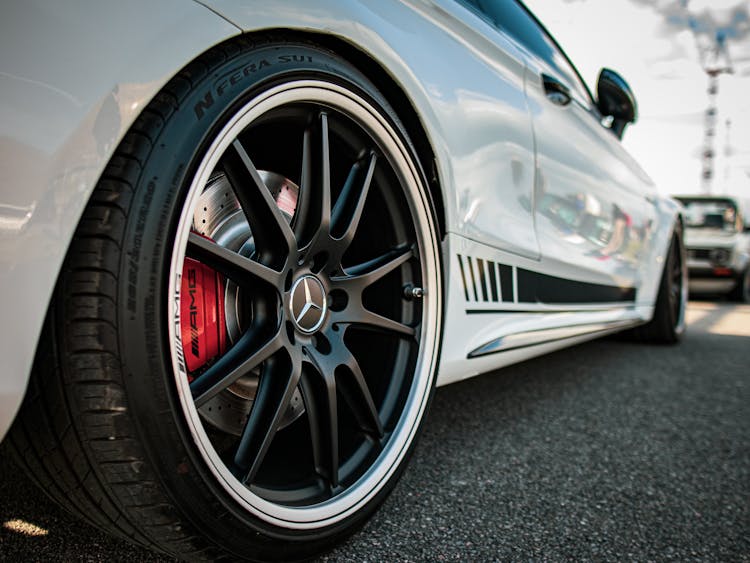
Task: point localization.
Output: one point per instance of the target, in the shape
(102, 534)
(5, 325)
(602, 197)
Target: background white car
(717, 238)
(241, 241)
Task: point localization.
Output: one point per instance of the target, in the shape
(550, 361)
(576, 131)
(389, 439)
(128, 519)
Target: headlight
(720, 256)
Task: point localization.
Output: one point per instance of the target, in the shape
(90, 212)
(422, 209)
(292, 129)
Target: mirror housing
(616, 99)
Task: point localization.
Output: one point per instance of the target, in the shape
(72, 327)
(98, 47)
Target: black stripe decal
(506, 282)
(527, 286)
(473, 281)
(463, 276)
(534, 287)
(493, 280)
(482, 280)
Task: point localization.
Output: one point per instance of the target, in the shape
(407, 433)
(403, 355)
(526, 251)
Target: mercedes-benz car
(241, 242)
(717, 238)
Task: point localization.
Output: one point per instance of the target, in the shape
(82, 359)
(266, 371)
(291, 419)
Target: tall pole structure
(715, 61)
(727, 152)
(709, 131)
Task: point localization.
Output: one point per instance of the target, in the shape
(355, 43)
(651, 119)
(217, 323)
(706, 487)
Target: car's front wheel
(245, 334)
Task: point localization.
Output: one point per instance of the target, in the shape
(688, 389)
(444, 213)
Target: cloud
(720, 27)
(727, 21)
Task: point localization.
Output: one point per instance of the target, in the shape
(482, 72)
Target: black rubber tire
(102, 382)
(668, 323)
(741, 292)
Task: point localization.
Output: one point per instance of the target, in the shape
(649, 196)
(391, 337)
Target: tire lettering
(295, 59)
(203, 105)
(234, 77)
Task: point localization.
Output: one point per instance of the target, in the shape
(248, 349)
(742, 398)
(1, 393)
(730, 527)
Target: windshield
(719, 214)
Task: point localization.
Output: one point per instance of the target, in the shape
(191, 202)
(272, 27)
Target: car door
(475, 77)
(592, 219)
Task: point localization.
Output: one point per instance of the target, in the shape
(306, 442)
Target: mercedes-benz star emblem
(308, 304)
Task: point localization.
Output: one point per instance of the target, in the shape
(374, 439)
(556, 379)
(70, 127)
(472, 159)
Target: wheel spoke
(349, 206)
(363, 318)
(325, 175)
(366, 274)
(358, 278)
(240, 360)
(276, 387)
(319, 395)
(229, 263)
(265, 218)
(357, 394)
(301, 215)
(315, 188)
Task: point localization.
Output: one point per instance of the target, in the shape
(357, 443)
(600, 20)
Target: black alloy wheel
(324, 276)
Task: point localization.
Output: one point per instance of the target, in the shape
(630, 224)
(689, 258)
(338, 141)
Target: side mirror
(616, 99)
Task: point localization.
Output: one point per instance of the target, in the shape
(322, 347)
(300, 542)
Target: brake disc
(218, 216)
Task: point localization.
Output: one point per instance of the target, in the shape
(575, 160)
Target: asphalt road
(606, 451)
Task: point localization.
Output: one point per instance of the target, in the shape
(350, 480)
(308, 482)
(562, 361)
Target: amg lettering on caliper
(192, 285)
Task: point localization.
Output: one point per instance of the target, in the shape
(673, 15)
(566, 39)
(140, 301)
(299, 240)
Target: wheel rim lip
(368, 485)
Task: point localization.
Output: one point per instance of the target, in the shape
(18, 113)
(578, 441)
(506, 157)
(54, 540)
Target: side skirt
(544, 336)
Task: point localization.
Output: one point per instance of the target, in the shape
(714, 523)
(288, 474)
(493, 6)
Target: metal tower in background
(715, 62)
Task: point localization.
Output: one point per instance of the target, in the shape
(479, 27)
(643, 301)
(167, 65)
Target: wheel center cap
(308, 304)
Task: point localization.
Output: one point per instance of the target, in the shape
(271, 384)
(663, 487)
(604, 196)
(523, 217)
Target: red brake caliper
(202, 322)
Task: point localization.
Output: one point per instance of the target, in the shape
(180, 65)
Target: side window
(513, 18)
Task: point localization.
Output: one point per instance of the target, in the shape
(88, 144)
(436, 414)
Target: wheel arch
(67, 122)
(394, 93)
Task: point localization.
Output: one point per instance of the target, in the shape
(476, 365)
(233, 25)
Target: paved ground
(606, 451)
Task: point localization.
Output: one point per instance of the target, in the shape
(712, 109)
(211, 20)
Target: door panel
(591, 214)
(488, 128)
(591, 219)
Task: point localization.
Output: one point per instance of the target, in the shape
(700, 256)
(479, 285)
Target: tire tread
(83, 453)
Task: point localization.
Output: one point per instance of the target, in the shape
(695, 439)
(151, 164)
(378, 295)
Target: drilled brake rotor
(219, 217)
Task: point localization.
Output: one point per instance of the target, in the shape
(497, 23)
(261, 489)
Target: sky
(656, 46)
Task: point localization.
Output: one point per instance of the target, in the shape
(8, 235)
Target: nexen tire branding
(234, 77)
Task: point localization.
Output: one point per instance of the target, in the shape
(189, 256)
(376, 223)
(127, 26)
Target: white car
(717, 238)
(241, 241)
